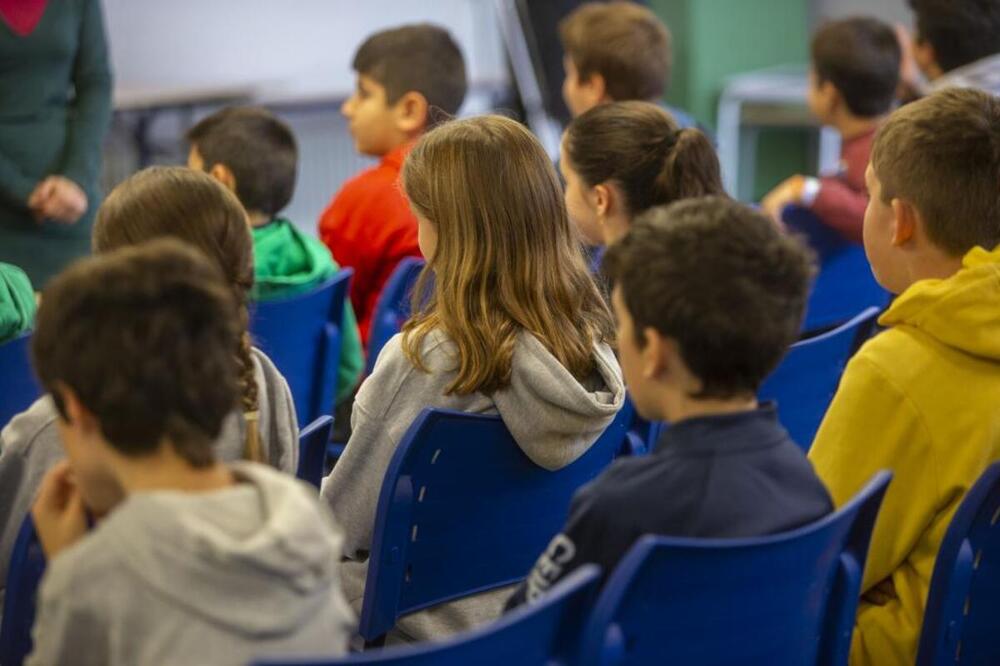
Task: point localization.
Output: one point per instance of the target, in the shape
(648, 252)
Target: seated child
(921, 397)
(513, 324)
(616, 52)
(199, 561)
(622, 158)
(852, 85)
(17, 302)
(957, 44)
(702, 320)
(180, 203)
(253, 153)
(408, 79)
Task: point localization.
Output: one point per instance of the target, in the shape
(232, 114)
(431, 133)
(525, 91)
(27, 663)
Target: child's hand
(58, 512)
(788, 192)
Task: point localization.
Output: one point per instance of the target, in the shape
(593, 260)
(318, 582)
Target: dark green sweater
(55, 107)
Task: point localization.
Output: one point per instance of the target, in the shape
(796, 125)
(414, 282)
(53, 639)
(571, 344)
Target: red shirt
(369, 227)
(842, 198)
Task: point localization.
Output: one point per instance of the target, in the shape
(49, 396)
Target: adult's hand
(58, 512)
(58, 198)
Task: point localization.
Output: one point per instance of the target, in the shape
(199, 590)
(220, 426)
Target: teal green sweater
(46, 128)
(288, 262)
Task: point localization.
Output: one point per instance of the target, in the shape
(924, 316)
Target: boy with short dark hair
(852, 86)
(958, 43)
(616, 52)
(254, 154)
(135, 348)
(921, 397)
(708, 295)
(409, 78)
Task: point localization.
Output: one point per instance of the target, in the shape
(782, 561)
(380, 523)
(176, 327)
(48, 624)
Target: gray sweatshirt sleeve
(278, 423)
(66, 630)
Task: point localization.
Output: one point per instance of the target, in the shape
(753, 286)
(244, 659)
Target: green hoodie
(288, 262)
(17, 302)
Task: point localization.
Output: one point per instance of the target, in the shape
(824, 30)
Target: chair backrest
(312, 450)
(805, 381)
(543, 633)
(393, 307)
(963, 604)
(302, 335)
(27, 564)
(463, 510)
(787, 599)
(18, 388)
(845, 284)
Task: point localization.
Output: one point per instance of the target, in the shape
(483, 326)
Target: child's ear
(76, 413)
(598, 88)
(657, 354)
(926, 58)
(224, 175)
(600, 198)
(905, 220)
(412, 113)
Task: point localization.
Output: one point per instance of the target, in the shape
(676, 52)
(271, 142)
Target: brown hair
(257, 147)
(860, 57)
(623, 42)
(640, 148)
(143, 337)
(507, 257)
(181, 203)
(419, 58)
(942, 154)
(720, 279)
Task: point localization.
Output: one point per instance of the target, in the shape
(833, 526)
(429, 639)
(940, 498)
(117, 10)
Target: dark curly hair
(719, 278)
(143, 337)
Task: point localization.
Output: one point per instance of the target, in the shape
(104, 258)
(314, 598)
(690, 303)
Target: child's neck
(258, 219)
(166, 470)
(850, 126)
(685, 407)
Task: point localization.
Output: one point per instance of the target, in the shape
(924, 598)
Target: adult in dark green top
(253, 153)
(55, 107)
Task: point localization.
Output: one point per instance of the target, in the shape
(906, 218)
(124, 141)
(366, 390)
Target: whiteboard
(278, 50)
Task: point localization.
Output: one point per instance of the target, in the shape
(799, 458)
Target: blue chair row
(786, 599)
(844, 285)
(313, 441)
(302, 334)
(18, 388)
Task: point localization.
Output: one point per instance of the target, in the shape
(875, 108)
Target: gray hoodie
(30, 446)
(552, 416)
(215, 578)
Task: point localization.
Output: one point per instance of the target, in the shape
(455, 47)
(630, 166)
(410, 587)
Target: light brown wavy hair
(507, 257)
(177, 202)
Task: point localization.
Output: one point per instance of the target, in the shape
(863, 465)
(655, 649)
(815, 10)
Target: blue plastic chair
(545, 633)
(18, 388)
(393, 307)
(463, 510)
(312, 450)
(963, 604)
(787, 599)
(805, 381)
(27, 564)
(302, 335)
(845, 284)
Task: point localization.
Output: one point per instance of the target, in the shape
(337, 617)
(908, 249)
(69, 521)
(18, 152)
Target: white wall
(891, 11)
(285, 49)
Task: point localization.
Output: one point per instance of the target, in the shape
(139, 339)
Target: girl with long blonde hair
(507, 320)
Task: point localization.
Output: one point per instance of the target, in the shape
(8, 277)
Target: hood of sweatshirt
(259, 558)
(554, 416)
(960, 311)
(17, 302)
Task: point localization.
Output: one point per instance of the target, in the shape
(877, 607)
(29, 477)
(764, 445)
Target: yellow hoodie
(922, 399)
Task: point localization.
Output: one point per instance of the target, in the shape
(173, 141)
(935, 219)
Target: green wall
(714, 39)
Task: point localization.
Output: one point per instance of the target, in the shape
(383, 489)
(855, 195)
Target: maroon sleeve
(841, 207)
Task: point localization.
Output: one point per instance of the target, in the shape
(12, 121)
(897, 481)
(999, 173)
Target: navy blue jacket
(732, 475)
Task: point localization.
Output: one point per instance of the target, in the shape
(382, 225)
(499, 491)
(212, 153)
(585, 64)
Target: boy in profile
(195, 562)
(408, 79)
(852, 86)
(702, 320)
(920, 398)
(254, 154)
(616, 52)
